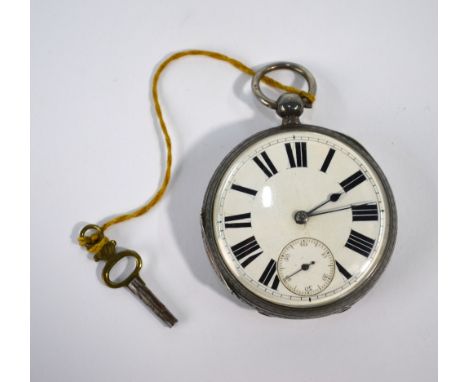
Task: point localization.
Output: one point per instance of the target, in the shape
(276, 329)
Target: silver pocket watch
(299, 221)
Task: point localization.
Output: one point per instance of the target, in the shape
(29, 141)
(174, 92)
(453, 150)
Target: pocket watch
(299, 221)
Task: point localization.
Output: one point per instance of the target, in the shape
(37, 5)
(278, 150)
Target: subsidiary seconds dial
(306, 266)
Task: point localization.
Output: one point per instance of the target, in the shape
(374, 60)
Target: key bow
(105, 250)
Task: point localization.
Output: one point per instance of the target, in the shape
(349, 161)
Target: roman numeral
(268, 274)
(352, 181)
(343, 270)
(298, 158)
(245, 190)
(266, 165)
(327, 160)
(239, 221)
(247, 249)
(365, 212)
(360, 243)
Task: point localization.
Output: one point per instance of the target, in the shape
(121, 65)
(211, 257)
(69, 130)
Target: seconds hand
(304, 267)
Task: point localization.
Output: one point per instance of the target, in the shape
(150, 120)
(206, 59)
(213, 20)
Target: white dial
(300, 184)
(306, 266)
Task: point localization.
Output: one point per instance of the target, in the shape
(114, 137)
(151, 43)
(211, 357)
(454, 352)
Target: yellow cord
(92, 242)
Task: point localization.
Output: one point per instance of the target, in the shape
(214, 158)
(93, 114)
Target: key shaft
(138, 287)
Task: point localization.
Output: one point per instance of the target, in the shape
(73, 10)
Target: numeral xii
(298, 156)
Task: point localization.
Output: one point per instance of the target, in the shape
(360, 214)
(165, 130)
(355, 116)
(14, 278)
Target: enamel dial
(304, 200)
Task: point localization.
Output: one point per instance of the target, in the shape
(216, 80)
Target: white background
(95, 153)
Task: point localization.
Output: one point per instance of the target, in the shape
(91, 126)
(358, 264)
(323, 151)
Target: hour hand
(331, 198)
(301, 217)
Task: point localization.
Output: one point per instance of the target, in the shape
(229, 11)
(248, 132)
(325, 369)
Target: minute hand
(338, 209)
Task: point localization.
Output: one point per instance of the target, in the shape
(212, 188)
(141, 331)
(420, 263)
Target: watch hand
(304, 267)
(339, 209)
(301, 217)
(331, 198)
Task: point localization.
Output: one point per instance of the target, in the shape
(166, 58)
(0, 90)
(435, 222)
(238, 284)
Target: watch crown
(290, 107)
